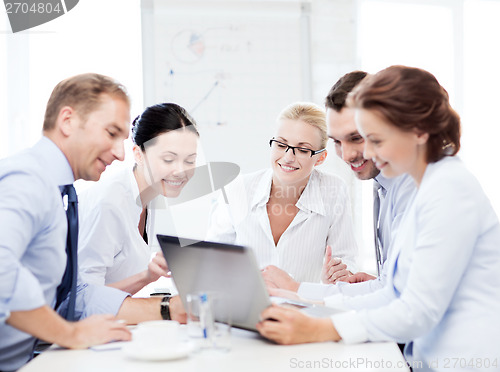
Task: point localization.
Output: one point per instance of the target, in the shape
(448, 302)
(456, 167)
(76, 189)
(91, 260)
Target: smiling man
(86, 121)
(390, 195)
(349, 144)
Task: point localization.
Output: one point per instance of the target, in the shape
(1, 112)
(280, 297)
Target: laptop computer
(201, 266)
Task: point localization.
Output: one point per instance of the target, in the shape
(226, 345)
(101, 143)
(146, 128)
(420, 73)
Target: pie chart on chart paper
(188, 46)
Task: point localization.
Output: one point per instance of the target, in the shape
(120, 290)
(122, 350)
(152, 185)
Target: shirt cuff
(336, 301)
(316, 291)
(350, 327)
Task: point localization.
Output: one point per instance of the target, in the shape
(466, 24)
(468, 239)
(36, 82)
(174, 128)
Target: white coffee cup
(157, 334)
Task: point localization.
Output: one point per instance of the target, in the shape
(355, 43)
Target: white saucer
(132, 350)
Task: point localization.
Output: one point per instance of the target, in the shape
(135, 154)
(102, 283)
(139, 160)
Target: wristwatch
(165, 307)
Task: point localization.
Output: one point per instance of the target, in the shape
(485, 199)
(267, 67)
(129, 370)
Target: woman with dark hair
(442, 296)
(115, 214)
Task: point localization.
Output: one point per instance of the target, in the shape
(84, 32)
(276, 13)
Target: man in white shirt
(394, 194)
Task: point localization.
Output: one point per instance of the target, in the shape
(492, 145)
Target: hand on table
(290, 326)
(283, 293)
(360, 277)
(96, 330)
(277, 278)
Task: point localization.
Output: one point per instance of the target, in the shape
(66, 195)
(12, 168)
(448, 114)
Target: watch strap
(165, 307)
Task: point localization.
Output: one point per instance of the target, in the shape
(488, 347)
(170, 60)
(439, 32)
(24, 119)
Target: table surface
(249, 352)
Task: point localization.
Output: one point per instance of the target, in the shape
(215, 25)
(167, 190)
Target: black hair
(159, 119)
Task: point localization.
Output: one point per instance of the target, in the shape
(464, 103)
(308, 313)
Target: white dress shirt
(442, 296)
(110, 247)
(323, 219)
(396, 194)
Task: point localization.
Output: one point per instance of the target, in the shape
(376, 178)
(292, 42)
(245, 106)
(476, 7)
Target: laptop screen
(200, 266)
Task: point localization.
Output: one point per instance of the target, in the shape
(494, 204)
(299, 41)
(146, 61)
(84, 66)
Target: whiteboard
(232, 64)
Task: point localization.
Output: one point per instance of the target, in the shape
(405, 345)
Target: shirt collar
(386, 183)
(310, 200)
(54, 162)
(263, 190)
(134, 187)
(312, 197)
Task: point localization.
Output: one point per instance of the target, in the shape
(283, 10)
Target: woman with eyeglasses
(290, 213)
(117, 215)
(442, 294)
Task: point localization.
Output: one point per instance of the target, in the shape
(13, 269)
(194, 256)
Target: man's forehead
(341, 124)
(114, 112)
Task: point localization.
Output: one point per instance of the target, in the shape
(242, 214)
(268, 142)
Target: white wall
(283, 68)
(95, 36)
(105, 37)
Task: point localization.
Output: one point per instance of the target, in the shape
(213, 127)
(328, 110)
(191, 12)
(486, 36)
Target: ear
(422, 138)
(66, 120)
(322, 158)
(138, 155)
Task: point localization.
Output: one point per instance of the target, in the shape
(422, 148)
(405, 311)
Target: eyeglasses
(301, 151)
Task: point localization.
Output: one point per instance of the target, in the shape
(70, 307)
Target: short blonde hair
(309, 113)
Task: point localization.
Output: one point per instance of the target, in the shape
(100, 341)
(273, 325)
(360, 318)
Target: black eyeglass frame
(288, 147)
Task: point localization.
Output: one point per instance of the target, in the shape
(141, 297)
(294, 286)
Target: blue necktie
(68, 284)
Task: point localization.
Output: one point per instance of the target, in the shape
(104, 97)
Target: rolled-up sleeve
(95, 299)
